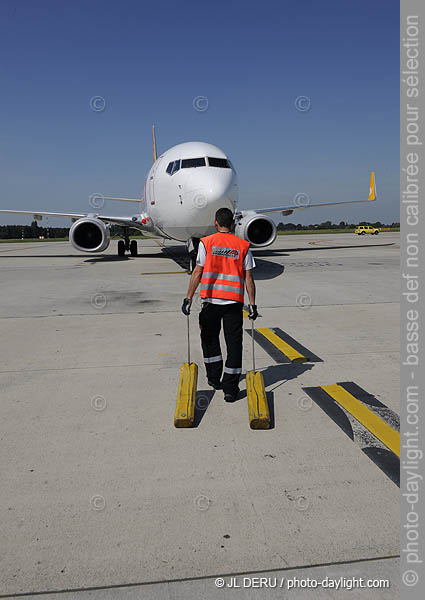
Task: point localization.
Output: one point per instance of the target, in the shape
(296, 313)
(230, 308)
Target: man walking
(223, 267)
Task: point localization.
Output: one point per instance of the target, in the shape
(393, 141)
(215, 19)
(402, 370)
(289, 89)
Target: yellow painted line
(386, 434)
(288, 350)
(245, 313)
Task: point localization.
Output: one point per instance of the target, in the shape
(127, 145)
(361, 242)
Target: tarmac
(101, 497)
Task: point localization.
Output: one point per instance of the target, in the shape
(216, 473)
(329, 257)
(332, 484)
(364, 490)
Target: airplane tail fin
(154, 143)
(372, 187)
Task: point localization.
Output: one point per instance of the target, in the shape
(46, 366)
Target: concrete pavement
(99, 489)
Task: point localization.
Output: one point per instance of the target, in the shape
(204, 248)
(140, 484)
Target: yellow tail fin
(372, 187)
(154, 143)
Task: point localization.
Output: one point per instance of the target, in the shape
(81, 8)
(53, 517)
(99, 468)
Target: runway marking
(289, 351)
(366, 420)
(282, 347)
(386, 434)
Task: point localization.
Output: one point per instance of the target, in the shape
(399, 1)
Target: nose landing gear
(133, 247)
(121, 248)
(127, 245)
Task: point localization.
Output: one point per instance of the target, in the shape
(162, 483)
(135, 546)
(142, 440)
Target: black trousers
(210, 319)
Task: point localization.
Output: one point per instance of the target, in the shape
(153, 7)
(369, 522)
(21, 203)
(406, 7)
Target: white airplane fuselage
(184, 188)
(181, 204)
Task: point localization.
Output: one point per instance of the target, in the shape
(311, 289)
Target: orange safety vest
(223, 275)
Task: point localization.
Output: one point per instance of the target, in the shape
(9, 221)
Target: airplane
(182, 191)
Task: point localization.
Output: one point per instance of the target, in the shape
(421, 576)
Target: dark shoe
(231, 397)
(215, 384)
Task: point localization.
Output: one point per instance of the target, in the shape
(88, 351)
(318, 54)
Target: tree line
(330, 225)
(17, 232)
(34, 231)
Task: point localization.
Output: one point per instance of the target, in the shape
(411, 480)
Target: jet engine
(258, 230)
(89, 235)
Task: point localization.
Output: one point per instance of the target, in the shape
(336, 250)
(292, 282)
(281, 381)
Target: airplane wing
(137, 200)
(37, 213)
(303, 201)
(107, 219)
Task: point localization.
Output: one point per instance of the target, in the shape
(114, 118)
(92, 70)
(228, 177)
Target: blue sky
(250, 59)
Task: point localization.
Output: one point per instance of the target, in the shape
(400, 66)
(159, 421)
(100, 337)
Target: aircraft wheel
(133, 247)
(121, 248)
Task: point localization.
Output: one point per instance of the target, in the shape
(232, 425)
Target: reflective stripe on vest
(218, 286)
(223, 275)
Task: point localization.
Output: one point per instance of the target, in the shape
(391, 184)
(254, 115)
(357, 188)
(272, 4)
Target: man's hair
(224, 217)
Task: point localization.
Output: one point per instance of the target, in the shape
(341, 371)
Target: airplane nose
(215, 189)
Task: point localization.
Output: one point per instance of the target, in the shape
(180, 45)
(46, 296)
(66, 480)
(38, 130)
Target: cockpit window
(221, 163)
(188, 163)
(173, 167)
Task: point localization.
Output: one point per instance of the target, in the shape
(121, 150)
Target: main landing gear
(192, 249)
(127, 245)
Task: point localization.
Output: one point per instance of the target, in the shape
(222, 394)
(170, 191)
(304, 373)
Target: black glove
(253, 314)
(187, 303)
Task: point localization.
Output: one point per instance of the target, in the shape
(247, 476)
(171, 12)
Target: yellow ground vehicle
(363, 229)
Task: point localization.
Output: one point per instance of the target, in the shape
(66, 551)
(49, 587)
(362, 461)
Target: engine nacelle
(258, 230)
(89, 235)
